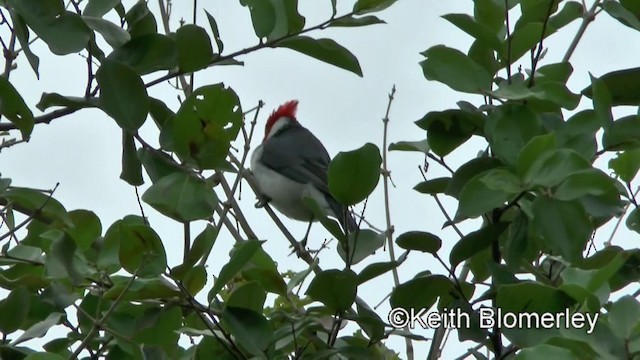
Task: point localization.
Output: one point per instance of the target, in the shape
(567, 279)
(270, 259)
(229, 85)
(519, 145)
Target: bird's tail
(344, 216)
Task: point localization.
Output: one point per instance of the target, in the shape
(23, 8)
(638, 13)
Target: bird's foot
(262, 201)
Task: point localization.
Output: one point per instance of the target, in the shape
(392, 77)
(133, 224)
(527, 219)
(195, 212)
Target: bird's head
(283, 116)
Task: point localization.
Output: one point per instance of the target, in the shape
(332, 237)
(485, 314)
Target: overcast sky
(82, 151)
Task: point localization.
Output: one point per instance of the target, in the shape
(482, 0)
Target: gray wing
(308, 165)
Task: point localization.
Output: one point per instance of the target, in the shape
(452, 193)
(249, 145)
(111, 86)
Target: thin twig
(587, 18)
(536, 58)
(509, 38)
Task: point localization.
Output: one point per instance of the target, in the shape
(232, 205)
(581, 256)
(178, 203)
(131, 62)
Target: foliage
(536, 186)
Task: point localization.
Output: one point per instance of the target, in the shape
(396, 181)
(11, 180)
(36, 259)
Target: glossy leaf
(622, 87)
(263, 16)
(13, 107)
(553, 167)
(142, 251)
(420, 292)
(22, 34)
(620, 13)
(336, 289)
(353, 175)
(325, 50)
(622, 134)
(585, 182)
(477, 30)
(420, 241)
(249, 328)
(361, 244)
(131, 167)
(194, 48)
(182, 197)
(239, 258)
(454, 69)
(467, 171)
(15, 308)
(476, 198)
(563, 226)
(434, 186)
(374, 270)
(626, 164)
(356, 21)
(475, 242)
(123, 95)
(418, 146)
(509, 129)
(216, 34)
(113, 34)
(449, 129)
(202, 130)
(367, 6)
(99, 8)
(147, 53)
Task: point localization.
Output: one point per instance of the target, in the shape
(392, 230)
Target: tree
(537, 186)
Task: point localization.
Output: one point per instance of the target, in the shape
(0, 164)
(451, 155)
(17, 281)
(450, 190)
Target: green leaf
(481, 32)
(362, 243)
(44, 356)
(433, 186)
(589, 181)
(633, 220)
(419, 146)
(216, 34)
(502, 179)
(202, 130)
(620, 13)
(123, 95)
(367, 6)
(572, 10)
(31, 201)
(242, 253)
(623, 315)
(476, 198)
(420, 241)
(182, 197)
(202, 245)
(147, 53)
(509, 129)
(467, 171)
(475, 242)
(194, 48)
(131, 167)
(351, 21)
(13, 107)
(113, 34)
(621, 87)
(554, 92)
(420, 292)
(86, 228)
(622, 134)
(39, 329)
(374, 270)
(141, 251)
(263, 16)
(553, 167)
(158, 164)
(140, 20)
(447, 130)
(249, 328)
(336, 289)
(535, 149)
(22, 34)
(523, 39)
(195, 279)
(288, 20)
(563, 226)
(142, 289)
(53, 99)
(14, 309)
(99, 8)
(63, 31)
(249, 295)
(626, 164)
(454, 69)
(353, 175)
(325, 50)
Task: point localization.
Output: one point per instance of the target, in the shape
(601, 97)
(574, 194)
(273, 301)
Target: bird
(290, 164)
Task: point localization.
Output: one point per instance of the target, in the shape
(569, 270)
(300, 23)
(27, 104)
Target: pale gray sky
(82, 151)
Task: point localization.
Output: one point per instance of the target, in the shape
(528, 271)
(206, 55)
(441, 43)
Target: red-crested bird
(290, 164)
